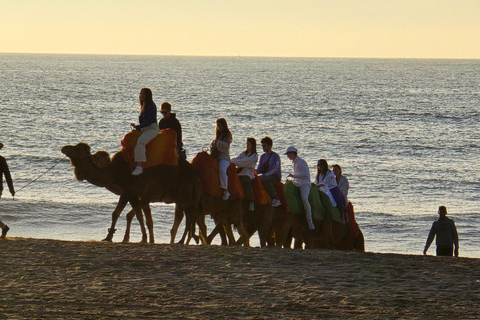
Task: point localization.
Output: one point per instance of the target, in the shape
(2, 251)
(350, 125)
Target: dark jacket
(147, 116)
(174, 124)
(4, 171)
(446, 232)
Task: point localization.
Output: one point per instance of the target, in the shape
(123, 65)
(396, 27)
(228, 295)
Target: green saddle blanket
(322, 208)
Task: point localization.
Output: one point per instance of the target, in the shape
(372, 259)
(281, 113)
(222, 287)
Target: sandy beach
(51, 279)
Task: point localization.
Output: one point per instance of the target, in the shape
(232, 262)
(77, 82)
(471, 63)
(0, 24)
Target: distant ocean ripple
(405, 132)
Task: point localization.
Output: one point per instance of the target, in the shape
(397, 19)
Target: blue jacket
(147, 116)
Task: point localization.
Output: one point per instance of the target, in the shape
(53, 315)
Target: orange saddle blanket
(207, 168)
(161, 150)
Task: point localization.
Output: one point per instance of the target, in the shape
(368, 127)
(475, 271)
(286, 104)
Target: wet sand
(54, 279)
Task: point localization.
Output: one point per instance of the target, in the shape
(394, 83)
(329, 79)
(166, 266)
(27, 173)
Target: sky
(271, 28)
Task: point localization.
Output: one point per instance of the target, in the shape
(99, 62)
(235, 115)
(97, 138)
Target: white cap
(291, 149)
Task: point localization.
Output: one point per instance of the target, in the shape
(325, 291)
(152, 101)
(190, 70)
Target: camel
(224, 213)
(160, 183)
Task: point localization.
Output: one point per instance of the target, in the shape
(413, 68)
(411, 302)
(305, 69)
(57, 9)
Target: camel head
(80, 156)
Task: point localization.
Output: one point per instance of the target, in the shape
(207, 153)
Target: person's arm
(274, 165)
(8, 177)
(431, 236)
(455, 239)
(178, 129)
(244, 161)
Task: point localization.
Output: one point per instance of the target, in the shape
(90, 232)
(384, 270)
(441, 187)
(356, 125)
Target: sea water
(406, 133)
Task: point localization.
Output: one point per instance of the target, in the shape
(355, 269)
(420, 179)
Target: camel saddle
(161, 150)
(207, 167)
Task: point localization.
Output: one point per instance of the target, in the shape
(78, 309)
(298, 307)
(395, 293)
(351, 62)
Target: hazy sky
(275, 28)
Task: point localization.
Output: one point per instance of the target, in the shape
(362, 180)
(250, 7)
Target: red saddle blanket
(207, 168)
(352, 223)
(260, 194)
(161, 150)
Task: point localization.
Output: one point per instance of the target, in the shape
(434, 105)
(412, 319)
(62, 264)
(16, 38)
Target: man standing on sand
(447, 236)
(4, 171)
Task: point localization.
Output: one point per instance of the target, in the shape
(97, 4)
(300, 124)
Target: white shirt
(247, 163)
(301, 174)
(328, 180)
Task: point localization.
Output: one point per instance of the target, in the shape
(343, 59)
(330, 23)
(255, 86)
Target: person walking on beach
(447, 236)
(270, 170)
(220, 149)
(5, 171)
(246, 162)
(170, 121)
(148, 126)
(301, 180)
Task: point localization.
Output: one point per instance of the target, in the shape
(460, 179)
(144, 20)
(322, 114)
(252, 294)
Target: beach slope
(97, 280)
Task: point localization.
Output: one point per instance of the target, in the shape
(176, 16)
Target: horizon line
(236, 56)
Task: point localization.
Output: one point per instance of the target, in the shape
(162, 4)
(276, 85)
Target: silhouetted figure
(170, 121)
(246, 162)
(270, 170)
(4, 171)
(148, 126)
(447, 236)
(220, 149)
(301, 179)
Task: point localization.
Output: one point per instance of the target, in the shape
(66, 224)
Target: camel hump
(161, 150)
(207, 168)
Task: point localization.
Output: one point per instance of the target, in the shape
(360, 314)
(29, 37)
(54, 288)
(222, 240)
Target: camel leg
(176, 223)
(148, 217)
(130, 215)
(218, 229)
(202, 228)
(122, 202)
(135, 203)
(229, 234)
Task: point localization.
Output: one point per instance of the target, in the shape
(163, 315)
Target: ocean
(406, 133)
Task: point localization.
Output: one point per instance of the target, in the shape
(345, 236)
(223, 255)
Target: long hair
(222, 132)
(324, 165)
(336, 165)
(253, 142)
(147, 99)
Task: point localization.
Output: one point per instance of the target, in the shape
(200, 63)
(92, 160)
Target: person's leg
(304, 193)
(222, 170)
(269, 182)
(140, 151)
(247, 186)
(4, 228)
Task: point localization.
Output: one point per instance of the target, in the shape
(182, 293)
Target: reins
(39, 176)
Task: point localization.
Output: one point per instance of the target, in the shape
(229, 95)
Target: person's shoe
(276, 202)
(311, 226)
(226, 195)
(138, 170)
(4, 232)
(251, 206)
